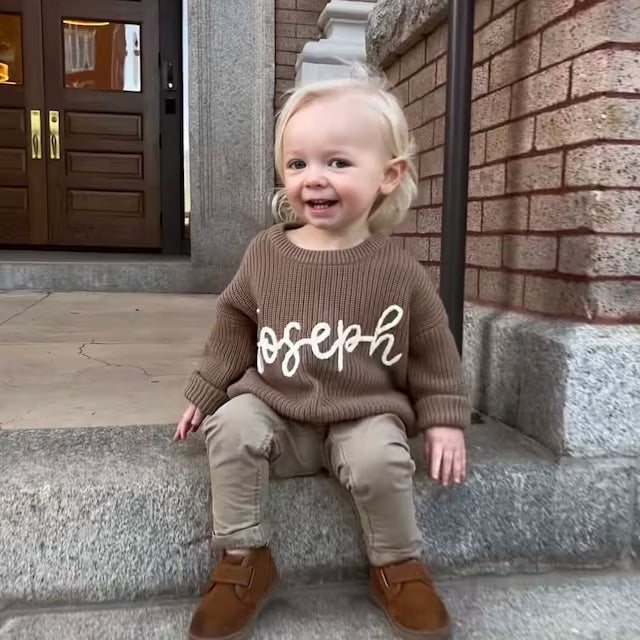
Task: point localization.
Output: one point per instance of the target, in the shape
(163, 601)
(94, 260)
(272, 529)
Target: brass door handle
(36, 134)
(54, 135)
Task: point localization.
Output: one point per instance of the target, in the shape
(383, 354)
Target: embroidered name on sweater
(346, 341)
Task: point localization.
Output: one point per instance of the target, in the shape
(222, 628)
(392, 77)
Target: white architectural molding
(343, 24)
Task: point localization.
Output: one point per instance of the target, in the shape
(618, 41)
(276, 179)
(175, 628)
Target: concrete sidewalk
(97, 359)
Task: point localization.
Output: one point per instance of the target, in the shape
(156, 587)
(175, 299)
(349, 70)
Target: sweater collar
(278, 237)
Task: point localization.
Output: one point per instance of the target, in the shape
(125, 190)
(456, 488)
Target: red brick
(597, 119)
(510, 140)
(285, 4)
(437, 187)
(532, 174)
(312, 5)
(296, 17)
(497, 35)
(480, 81)
(491, 109)
(285, 29)
(541, 90)
(482, 13)
(401, 92)
(434, 104)
(471, 284)
(474, 215)
(393, 73)
(487, 181)
(501, 287)
(432, 162)
(477, 148)
(506, 214)
(422, 82)
(441, 71)
(412, 60)
(499, 6)
(558, 297)
(285, 72)
(430, 220)
(290, 44)
(398, 241)
(605, 165)
(423, 137)
(438, 131)
(283, 85)
(534, 14)
(413, 113)
(484, 251)
(307, 31)
(435, 249)
(515, 63)
(606, 70)
(530, 253)
(437, 43)
(286, 57)
(600, 255)
(607, 211)
(424, 193)
(611, 21)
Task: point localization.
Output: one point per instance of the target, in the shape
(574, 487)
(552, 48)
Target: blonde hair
(388, 211)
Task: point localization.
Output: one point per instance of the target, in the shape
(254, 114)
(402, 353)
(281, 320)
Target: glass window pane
(101, 56)
(10, 49)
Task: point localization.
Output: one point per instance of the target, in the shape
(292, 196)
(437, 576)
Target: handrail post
(456, 162)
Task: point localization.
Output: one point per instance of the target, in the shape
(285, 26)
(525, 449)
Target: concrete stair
(550, 607)
(122, 514)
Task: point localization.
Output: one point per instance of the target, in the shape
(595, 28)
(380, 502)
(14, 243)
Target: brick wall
(296, 24)
(554, 211)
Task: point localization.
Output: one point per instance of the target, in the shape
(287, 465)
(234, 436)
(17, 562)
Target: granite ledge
(394, 26)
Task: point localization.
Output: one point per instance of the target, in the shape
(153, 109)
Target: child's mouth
(320, 205)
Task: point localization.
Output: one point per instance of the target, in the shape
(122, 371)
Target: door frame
(171, 121)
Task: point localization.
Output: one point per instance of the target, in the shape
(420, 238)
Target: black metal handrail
(456, 162)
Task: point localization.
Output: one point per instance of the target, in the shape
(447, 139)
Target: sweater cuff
(203, 394)
(444, 411)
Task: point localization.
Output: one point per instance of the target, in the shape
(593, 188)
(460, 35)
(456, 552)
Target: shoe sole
(410, 634)
(251, 623)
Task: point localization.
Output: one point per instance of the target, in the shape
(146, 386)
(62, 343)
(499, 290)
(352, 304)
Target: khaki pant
(246, 440)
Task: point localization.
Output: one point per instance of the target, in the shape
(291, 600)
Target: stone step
(549, 607)
(95, 515)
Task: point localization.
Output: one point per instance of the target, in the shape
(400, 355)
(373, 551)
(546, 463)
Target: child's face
(335, 165)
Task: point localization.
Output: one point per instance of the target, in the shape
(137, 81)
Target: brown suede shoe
(407, 596)
(239, 588)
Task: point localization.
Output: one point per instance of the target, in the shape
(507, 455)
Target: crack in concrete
(112, 364)
(15, 315)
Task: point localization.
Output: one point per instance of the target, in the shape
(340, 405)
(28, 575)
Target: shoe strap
(232, 574)
(406, 572)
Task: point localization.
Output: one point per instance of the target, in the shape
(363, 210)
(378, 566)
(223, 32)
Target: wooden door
(103, 122)
(23, 208)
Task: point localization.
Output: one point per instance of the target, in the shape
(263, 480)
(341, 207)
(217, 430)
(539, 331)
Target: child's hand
(191, 421)
(445, 455)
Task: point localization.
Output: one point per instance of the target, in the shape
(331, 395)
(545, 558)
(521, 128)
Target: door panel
(23, 210)
(101, 75)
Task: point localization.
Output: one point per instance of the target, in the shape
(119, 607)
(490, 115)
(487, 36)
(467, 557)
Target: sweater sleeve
(230, 348)
(436, 381)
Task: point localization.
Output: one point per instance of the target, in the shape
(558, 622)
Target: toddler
(329, 348)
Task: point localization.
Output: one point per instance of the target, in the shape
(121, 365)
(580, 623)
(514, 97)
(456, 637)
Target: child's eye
(296, 164)
(337, 163)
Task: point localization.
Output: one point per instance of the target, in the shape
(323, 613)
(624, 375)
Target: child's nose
(314, 176)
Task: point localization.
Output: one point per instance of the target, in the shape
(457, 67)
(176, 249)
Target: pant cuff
(256, 536)
(381, 558)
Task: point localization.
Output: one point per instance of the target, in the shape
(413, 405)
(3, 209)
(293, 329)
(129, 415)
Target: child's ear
(393, 175)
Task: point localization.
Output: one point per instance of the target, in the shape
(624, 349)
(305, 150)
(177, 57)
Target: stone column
(343, 23)
(231, 131)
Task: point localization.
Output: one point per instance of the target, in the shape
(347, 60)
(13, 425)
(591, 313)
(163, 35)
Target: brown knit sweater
(329, 336)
